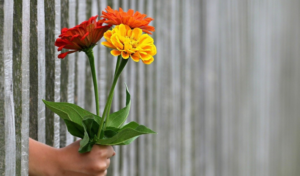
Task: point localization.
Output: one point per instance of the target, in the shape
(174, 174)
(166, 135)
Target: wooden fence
(223, 93)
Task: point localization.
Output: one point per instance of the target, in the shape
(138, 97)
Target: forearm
(42, 159)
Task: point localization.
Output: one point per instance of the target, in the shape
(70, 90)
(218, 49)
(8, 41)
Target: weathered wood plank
(33, 127)
(21, 83)
(81, 60)
(52, 30)
(25, 86)
(89, 103)
(149, 104)
(198, 93)
(114, 170)
(71, 66)
(2, 93)
(175, 117)
(140, 105)
(158, 88)
(124, 150)
(64, 72)
(9, 114)
(131, 81)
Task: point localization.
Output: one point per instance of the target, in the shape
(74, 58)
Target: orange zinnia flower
(81, 37)
(131, 19)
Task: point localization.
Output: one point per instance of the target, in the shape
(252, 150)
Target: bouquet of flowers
(127, 40)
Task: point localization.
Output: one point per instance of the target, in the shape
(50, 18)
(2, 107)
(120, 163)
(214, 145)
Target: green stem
(119, 68)
(109, 106)
(90, 55)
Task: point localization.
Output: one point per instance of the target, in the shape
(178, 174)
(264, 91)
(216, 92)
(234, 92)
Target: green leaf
(85, 144)
(117, 119)
(128, 141)
(111, 131)
(126, 133)
(68, 111)
(74, 128)
(90, 126)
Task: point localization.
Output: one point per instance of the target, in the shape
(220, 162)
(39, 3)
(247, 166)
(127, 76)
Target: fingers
(101, 156)
(105, 151)
(111, 152)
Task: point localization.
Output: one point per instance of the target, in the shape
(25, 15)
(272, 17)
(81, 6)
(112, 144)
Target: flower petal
(109, 45)
(135, 57)
(125, 55)
(129, 18)
(148, 61)
(63, 55)
(136, 33)
(115, 52)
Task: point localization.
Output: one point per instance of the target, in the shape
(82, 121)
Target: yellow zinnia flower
(130, 43)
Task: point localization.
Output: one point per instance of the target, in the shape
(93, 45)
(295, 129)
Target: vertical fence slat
(198, 92)
(210, 77)
(226, 94)
(124, 150)
(81, 60)
(64, 72)
(71, 61)
(174, 146)
(158, 89)
(115, 107)
(149, 112)
(187, 155)
(140, 105)
(52, 29)
(131, 68)
(89, 103)
(41, 70)
(57, 74)
(2, 93)
(25, 85)
(17, 80)
(33, 127)
(9, 114)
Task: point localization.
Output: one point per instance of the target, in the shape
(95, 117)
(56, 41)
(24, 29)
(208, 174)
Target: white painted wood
(71, 57)
(10, 145)
(124, 79)
(149, 114)
(158, 88)
(175, 117)
(25, 85)
(57, 82)
(140, 102)
(131, 81)
(81, 60)
(41, 71)
(116, 104)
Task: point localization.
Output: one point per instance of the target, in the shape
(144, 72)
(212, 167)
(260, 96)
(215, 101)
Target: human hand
(47, 161)
(94, 163)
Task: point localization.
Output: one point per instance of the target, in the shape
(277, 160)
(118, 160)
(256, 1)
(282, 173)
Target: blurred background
(223, 93)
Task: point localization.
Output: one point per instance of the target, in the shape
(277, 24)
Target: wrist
(53, 167)
(43, 159)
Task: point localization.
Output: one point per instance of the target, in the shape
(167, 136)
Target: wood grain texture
(2, 93)
(9, 114)
(25, 87)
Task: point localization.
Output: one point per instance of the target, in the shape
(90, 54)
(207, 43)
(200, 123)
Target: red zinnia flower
(81, 37)
(131, 19)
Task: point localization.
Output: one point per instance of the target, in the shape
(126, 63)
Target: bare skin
(48, 161)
